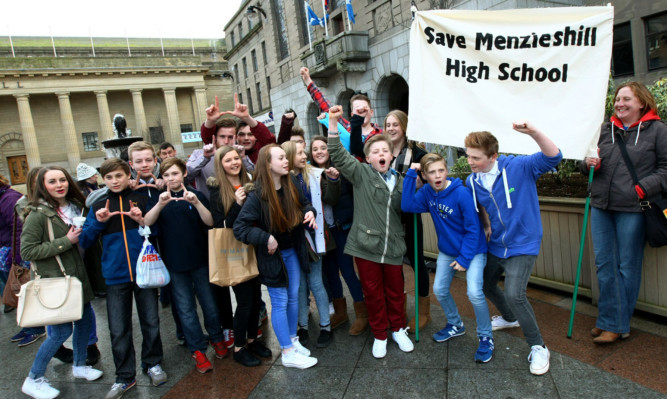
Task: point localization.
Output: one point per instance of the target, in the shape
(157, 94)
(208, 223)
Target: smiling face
(231, 163)
(394, 129)
(627, 106)
(480, 162)
(300, 157)
(436, 175)
(174, 178)
(143, 162)
(279, 165)
(379, 156)
(319, 153)
(117, 180)
(56, 185)
(245, 138)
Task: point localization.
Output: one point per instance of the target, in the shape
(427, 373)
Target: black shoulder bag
(655, 212)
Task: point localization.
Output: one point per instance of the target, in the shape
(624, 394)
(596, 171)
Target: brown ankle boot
(340, 312)
(595, 332)
(607, 337)
(361, 315)
(424, 314)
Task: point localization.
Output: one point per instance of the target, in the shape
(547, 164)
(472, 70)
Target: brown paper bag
(230, 261)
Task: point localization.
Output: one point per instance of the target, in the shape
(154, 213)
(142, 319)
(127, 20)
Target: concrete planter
(556, 266)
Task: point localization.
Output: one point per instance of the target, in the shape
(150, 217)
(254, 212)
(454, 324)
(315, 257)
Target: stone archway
(344, 100)
(311, 126)
(11, 145)
(392, 93)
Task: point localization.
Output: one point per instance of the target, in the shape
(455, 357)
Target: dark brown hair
(41, 193)
(112, 164)
(310, 152)
(227, 191)
(169, 162)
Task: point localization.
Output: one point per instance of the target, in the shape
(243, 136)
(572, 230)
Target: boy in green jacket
(376, 238)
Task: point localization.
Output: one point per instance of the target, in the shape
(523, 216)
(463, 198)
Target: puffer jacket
(252, 227)
(613, 188)
(37, 247)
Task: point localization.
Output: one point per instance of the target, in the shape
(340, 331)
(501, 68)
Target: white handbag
(50, 301)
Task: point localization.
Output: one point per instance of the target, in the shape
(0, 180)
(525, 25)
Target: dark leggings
(224, 301)
(408, 218)
(335, 262)
(248, 298)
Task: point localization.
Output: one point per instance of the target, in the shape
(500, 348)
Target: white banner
(483, 70)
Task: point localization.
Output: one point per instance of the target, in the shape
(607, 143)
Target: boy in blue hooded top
(461, 243)
(505, 186)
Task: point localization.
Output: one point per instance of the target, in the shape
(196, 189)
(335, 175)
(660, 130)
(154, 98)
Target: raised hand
(73, 234)
(132, 183)
(524, 127)
(240, 149)
(135, 214)
(209, 150)
(335, 113)
(272, 245)
(240, 195)
(305, 75)
(137, 185)
(165, 197)
(332, 173)
(103, 215)
(309, 219)
(213, 112)
(240, 110)
(189, 196)
(160, 184)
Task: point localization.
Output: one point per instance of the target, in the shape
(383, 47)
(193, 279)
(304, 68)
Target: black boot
(244, 357)
(93, 355)
(64, 355)
(258, 348)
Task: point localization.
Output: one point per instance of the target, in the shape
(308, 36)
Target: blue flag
(313, 19)
(350, 11)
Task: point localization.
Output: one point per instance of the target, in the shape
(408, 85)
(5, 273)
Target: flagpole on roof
(310, 40)
(11, 43)
(326, 26)
(92, 45)
(52, 42)
(349, 26)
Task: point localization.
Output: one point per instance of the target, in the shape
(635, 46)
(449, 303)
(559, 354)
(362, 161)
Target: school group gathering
(338, 209)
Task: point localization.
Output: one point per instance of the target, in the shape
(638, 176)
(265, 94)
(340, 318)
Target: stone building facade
(371, 58)
(57, 110)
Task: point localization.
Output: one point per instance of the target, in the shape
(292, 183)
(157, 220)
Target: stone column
(174, 121)
(139, 114)
(71, 139)
(201, 105)
(28, 131)
(105, 116)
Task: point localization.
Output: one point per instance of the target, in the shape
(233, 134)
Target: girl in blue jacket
(461, 243)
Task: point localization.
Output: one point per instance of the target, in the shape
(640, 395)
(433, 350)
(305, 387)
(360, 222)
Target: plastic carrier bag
(151, 271)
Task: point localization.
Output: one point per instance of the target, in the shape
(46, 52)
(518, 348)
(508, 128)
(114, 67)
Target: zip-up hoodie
(459, 230)
(512, 204)
(121, 241)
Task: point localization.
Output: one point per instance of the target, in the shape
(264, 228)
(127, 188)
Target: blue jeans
(184, 287)
(475, 279)
(119, 309)
(59, 334)
(336, 261)
(92, 337)
(313, 281)
(618, 242)
(285, 300)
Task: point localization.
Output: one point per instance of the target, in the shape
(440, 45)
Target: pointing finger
(217, 103)
(185, 190)
(236, 98)
(107, 205)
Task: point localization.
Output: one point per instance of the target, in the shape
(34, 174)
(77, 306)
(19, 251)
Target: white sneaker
(402, 339)
(498, 323)
(87, 372)
(379, 348)
(539, 359)
(331, 309)
(39, 388)
(300, 348)
(295, 359)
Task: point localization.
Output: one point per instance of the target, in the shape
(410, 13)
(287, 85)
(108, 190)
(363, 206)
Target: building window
(157, 134)
(656, 41)
(186, 128)
(266, 61)
(90, 142)
(304, 26)
(251, 109)
(268, 85)
(240, 30)
(236, 73)
(622, 62)
(281, 29)
(231, 35)
(253, 55)
(245, 68)
(258, 91)
(249, 24)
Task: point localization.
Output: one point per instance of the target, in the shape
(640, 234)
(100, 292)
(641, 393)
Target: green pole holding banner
(581, 251)
(414, 263)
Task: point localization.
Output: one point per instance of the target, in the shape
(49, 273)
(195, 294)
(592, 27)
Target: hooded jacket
(512, 204)
(252, 227)
(646, 141)
(37, 247)
(119, 260)
(459, 230)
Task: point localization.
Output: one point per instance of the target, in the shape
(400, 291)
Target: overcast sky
(139, 18)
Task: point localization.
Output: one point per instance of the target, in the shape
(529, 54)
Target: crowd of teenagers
(312, 213)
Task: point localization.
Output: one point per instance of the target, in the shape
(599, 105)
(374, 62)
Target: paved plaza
(634, 368)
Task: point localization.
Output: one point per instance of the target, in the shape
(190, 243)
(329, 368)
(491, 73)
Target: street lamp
(252, 11)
